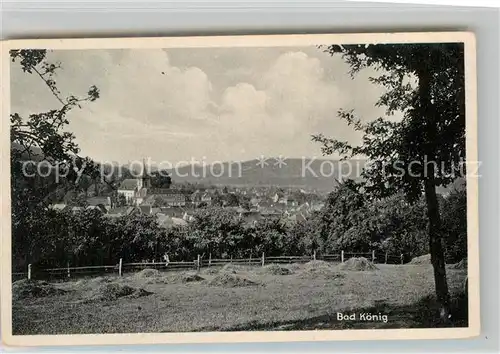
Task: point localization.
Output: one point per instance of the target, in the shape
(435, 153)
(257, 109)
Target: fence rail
(120, 268)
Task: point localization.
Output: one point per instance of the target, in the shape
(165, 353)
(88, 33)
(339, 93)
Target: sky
(202, 104)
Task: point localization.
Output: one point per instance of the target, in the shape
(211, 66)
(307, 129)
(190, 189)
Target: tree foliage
(431, 130)
(392, 225)
(42, 138)
(160, 179)
(454, 215)
(424, 150)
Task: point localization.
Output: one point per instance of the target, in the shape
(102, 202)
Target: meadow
(234, 298)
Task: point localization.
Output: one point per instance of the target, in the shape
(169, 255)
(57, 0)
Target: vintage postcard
(239, 189)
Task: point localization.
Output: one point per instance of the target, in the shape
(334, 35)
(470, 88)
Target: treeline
(349, 221)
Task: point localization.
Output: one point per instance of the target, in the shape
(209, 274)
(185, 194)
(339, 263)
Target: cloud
(144, 86)
(291, 96)
(243, 98)
(270, 102)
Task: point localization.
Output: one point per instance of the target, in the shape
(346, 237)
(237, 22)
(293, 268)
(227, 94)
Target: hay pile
(147, 273)
(317, 268)
(425, 259)
(228, 280)
(24, 289)
(94, 281)
(114, 291)
(294, 266)
(189, 278)
(211, 270)
(357, 264)
(184, 278)
(139, 293)
(275, 269)
(321, 269)
(460, 265)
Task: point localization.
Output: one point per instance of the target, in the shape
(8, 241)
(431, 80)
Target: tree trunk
(436, 248)
(428, 113)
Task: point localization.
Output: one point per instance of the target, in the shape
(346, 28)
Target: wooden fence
(120, 268)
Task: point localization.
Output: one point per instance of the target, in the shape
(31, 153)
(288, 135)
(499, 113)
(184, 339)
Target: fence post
(373, 256)
(263, 259)
(342, 256)
(198, 263)
(120, 267)
(231, 259)
(385, 257)
(250, 261)
(68, 270)
(210, 259)
(314, 255)
(401, 258)
(29, 271)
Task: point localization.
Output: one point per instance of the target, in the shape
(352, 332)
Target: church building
(139, 191)
(135, 190)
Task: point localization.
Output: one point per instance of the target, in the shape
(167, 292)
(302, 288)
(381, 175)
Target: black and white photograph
(309, 186)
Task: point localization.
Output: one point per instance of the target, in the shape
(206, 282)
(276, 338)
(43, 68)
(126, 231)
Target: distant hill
(320, 174)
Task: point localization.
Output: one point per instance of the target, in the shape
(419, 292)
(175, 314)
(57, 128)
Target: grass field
(237, 298)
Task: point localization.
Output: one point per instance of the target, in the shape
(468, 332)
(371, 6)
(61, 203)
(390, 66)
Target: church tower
(146, 181)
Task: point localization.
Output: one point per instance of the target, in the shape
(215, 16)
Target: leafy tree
(80, 200)
(270, 236)
(160, 179)
(232, 200)
(454, 213)
(304, 237)
(202, 205)
(217, 231)
(399, 226)
(42, 137)
(245, 202)
(427, 147)
(121, 200)
(344, 210)
(217, 199)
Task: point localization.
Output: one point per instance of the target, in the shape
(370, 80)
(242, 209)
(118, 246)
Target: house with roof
(255, 201)
(145, 209)
(206, 198)
(176, 212)
(122, 211)
(128, 187)
(316, 206)
(169, 222)
(294, 218)
(265, 203)
(59, 207)
(187, 216)
(291, 201)
(250, 216)
(103, 202)
(99, 208)
(270, 214)
(195, 197)
(135, 190)
(140, 195)
(276, 197)
(168, 197)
